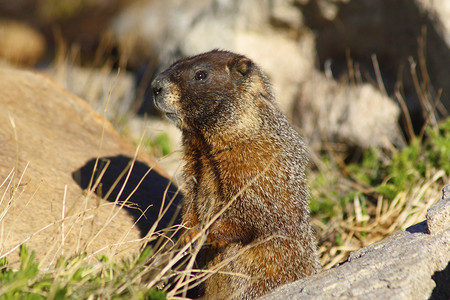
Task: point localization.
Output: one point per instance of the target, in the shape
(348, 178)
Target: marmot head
(211, 90)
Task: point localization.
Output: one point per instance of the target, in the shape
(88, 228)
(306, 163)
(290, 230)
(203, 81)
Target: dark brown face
(202, 91)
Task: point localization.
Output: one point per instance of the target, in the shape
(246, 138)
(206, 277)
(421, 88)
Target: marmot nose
(156, 88)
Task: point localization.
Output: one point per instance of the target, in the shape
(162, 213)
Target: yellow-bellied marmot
(242, 157)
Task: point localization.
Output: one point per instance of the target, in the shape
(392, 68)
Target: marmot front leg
(225, 231)
(191, 224)
(221, 233)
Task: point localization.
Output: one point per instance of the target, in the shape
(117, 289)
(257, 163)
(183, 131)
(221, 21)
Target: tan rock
(20, 43)
(48, 138)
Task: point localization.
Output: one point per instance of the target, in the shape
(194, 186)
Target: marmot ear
(240, 66)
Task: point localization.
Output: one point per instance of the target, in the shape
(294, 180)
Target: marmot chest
(237, 175)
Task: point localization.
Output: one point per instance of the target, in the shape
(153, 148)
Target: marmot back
(246, 163)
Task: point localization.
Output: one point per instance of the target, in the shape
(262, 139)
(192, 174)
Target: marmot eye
(200, 75)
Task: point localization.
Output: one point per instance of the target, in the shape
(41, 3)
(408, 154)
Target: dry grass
(358, 225)
(89, 270)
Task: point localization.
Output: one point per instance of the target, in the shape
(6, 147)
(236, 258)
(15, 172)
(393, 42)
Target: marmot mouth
(172, 116)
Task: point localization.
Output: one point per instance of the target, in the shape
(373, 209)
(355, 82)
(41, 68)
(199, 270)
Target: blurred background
(351, 75)
(350, 71)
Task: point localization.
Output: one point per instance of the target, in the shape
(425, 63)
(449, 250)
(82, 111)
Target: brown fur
(240, 151)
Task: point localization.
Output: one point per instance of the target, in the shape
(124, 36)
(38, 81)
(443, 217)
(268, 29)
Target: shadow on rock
(442, 280)
(145, 191)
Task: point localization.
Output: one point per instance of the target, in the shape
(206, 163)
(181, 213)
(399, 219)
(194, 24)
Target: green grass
(158, 146)
(73, 278)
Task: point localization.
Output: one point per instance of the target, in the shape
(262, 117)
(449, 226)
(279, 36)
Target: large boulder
(350, 114)
(410, 264)
(53, 145)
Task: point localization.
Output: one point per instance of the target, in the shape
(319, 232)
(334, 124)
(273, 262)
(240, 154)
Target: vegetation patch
(361, 203)
(74, 278)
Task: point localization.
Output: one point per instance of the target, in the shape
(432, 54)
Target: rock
(20, 43)
(438, 216)
(50, 143)
(411, 264)
(105, 90)
(446, 192)
(356, 115)
(439, 14)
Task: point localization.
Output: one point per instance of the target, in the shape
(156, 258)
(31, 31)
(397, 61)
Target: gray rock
(438, 216)
(147, 28)
(355, 115)
(446, 192)
(411, 264)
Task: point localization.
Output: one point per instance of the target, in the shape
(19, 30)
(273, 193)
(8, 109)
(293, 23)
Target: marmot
(242, 157)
